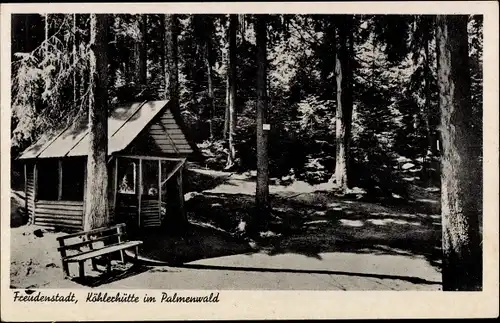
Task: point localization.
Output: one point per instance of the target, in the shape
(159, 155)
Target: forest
(375, 104)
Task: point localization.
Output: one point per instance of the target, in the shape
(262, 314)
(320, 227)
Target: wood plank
(152, 157)
(90, 241)
(26, 196)
(115, 183)
(59, 179)
(159, 189)
(139, 194)
(103, 251)
(94, 231)
(57, 222)
(64, 202)
(181, 194)
(35, 188)
(59, 212)
(84, 194)
(73, 215)
(174, 170)
(78, 208)
(170, 139)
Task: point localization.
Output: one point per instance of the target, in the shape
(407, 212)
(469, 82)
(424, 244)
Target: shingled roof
(125, 123)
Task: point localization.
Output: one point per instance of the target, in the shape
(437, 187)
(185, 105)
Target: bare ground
(323, 240)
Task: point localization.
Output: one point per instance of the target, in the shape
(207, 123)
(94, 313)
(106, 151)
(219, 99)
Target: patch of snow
(242, 226)
(320, 213)
(269, 234)
(191, 195)
(407, 166)
(316, 222)
(215, 204)
(396, 196)
(351, 223)
(356, 190)
(395, 221)
(403, 159)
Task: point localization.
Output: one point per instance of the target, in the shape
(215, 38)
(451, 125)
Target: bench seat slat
(90, 232)
(87, 242)
(102, 251)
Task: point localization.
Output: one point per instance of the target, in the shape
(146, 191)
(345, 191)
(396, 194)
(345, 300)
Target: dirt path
(315, 241)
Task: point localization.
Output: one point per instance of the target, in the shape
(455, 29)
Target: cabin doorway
(148, 190)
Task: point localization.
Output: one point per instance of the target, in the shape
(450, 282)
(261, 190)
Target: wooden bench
(112, 238)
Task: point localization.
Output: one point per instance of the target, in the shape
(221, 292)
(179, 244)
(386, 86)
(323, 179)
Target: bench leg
(136, 253)
(81, 268)
(108, 265)
(94, 264)
(65, 268)
(122, 256)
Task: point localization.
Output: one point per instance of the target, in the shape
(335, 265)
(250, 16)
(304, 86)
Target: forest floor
(316, 240)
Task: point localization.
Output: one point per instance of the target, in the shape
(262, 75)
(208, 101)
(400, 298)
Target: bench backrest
(91, 236)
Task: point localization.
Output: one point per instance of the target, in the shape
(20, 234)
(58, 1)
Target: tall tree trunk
(262, 190)
(74, 60)
(171, 34)
(461, 170)
(211, 103)
(225, 58)
(427, 164)
(233, 25)
(343, 69)
(96, 202)
(47, 27)
(163, 60)
(142, 57)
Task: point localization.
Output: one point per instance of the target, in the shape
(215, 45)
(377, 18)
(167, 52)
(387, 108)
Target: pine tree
(96, 202)
(231, 77)
(171, 24)
(461, 170)
(343, 71)
(262, 190)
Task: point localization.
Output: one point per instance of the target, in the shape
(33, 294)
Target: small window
(127, 173)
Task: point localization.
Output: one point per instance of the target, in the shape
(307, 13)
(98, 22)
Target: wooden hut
(147, 147)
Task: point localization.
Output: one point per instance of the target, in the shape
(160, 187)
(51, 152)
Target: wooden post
(139, 197)
(84, 193)
(35, 190)
(81, 269)
(159, 189)
(115, 186)
(26, 191)
(59, 183)
(181, 195)
(63, 255)
(120, 232)
(91, 247)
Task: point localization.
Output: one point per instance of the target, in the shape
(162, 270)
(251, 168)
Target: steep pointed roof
(125, 123)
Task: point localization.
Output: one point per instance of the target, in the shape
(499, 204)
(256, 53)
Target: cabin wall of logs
(137, 208)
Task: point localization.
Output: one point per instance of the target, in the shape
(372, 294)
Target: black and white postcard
(251, 160)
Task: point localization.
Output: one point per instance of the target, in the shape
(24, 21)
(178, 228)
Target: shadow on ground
(198, 243)
(319, 222)
(115, 274)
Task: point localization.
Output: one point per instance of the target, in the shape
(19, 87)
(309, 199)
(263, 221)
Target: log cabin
(148, 146)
